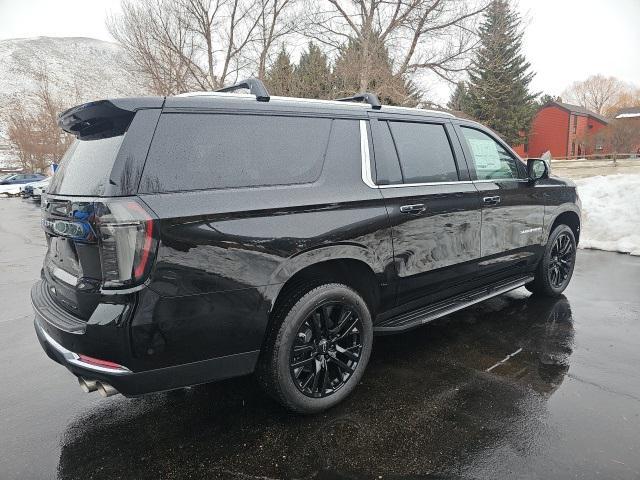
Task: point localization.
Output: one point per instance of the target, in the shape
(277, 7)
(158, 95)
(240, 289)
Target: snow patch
(610, 213)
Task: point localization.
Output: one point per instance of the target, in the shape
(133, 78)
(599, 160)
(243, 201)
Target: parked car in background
(13, 184)
(28, 189)
(18, 178)
(292, 231)
(40, 189)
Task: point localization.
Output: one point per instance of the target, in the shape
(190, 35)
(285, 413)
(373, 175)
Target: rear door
(433, 206)
(512, 207)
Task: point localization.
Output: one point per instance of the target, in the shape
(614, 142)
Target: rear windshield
(208, 151)
(86, 167)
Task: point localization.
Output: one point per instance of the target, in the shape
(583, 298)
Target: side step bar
(415, 318)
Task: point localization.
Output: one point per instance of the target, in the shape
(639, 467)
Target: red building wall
(549, 131)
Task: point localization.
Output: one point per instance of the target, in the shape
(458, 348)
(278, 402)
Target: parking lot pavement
(517, 387)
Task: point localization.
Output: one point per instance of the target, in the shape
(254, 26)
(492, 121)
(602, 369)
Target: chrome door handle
(491, 200)
(416, 208)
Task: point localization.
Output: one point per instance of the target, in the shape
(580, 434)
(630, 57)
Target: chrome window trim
(367, 178)
(364, 155)
(496, 180)
(426, 184)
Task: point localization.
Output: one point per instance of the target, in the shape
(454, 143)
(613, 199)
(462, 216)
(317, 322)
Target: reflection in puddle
(425, 406)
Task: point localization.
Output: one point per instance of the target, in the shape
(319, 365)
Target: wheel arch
(569, 216)
(351, 264)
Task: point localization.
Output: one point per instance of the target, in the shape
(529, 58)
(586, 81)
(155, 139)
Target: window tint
(86, 167)
(490, 159)
(386, 159)
(203, 151)
(424, 152)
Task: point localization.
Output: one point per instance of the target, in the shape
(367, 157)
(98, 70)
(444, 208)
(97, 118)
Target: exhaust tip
(106, 390)
(88, 386)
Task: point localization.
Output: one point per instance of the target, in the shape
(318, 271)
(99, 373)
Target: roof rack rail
(370, 98)
(254, 85)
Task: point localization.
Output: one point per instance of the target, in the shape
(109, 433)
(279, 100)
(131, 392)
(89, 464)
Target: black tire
(307, 344)
(555, 269)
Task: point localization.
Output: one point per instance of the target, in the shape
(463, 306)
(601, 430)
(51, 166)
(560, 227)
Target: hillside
(78, 68)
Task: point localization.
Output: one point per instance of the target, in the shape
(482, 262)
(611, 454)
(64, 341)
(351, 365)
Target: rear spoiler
(104, 118)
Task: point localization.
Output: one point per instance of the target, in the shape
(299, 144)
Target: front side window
(490, 159)
(424, 152)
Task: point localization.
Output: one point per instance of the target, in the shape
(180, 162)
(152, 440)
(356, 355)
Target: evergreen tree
(280, 78)
(313, 75)
(546, 98)
(370, 55)
(458, 100)
(499, 93)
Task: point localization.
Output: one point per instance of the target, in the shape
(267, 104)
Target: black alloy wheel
(327, 349)
(317, 346)
(561, 260)
(555, 269)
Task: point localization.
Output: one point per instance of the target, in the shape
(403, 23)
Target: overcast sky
(565, 40)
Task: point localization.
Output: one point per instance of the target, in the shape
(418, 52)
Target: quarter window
(208, 151)
(490, 159)
(424, 152)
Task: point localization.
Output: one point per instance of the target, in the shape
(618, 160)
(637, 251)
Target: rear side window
(207, 151)
(424, 152)
(86, 167)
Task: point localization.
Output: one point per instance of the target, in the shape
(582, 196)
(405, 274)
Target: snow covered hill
(86, 68)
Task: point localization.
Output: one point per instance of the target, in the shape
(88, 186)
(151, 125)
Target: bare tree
(629, 98)
(277, 19)
(183, 45)
(156, 39)
(33, 129)
(420, 35)
(597, 93)
(623, 135)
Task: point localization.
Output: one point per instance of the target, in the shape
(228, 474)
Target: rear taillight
(127, 240)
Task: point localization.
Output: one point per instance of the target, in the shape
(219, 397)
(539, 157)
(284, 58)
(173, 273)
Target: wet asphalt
(443, 401)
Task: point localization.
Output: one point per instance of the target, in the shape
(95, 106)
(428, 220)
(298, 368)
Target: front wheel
(318, 347)
(556, 266)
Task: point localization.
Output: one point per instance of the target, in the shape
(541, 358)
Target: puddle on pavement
(426, 401)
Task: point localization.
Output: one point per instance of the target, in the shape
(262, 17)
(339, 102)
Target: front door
(433, 207)
(512, 207)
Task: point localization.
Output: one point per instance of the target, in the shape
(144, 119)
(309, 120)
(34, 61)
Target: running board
(415, 318)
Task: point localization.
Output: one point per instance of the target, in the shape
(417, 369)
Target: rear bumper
(65, 344)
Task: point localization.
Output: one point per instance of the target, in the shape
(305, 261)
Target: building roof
(628, 112)
(581, 111)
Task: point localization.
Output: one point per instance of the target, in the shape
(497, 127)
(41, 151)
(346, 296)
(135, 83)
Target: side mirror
(537, 169)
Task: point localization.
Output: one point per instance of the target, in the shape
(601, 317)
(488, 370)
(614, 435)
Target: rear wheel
(556, 267)
(318, 347)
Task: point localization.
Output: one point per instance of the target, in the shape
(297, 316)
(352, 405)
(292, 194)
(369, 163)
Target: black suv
(205, 236)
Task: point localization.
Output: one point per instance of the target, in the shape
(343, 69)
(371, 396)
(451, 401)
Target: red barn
(567, 131)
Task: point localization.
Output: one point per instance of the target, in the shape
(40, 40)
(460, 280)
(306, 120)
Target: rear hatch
(98, 243)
